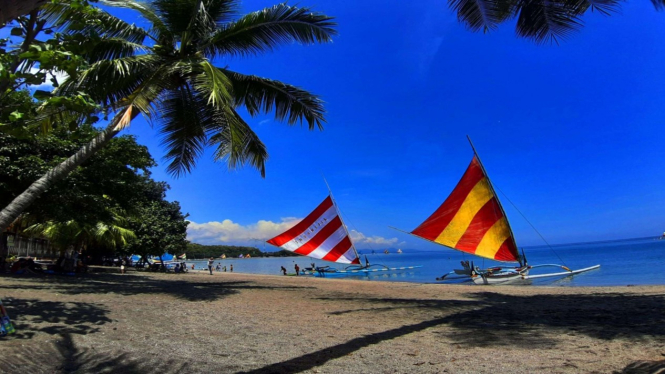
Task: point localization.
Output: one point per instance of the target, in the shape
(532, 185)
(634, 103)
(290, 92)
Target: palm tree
(539, 20)
(166, 73)
(76, 234)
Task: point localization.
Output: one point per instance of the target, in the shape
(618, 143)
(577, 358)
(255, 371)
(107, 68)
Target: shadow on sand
(494, 319)
(54, 318)
(486, 319)
(135, 284)
(644, 367)
(63, 355)
(63, 320)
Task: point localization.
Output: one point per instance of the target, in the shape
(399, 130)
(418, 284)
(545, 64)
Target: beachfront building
(18, 246)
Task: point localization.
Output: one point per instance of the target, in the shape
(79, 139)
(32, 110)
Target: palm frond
(263, 30)
(112, 234)
(658, 4)
(96, 22)
(147, 97)
(113, 48)
(183, 114)
(201, 24)
(482, 14)
(176, 15)
(159, 30)
(545, 20)
(606, 7)
(290, 103)
(109, 81)
(60, 234)
(236, 143)
(213, 83)
(223, 10)
(207, 16)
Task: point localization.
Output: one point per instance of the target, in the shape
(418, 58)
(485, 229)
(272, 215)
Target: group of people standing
(296, 267)
(219, 266)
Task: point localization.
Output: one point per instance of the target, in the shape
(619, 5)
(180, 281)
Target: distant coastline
(595, 242)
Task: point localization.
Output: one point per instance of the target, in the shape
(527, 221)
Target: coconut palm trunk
(10, 9)
(25, 199)
(4, 251)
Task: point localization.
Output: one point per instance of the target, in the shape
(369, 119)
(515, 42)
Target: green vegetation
(109, 205)
(165, 72)
(119, 70)
(159, 225)
(200, 251)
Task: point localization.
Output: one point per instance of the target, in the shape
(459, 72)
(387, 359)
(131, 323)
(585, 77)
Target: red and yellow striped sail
(471, 219)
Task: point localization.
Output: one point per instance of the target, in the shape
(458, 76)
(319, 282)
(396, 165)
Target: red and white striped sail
(320, 235)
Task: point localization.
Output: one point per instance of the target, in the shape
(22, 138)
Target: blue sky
(571, 134)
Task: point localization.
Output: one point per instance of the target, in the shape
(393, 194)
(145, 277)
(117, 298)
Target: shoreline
(259, 323)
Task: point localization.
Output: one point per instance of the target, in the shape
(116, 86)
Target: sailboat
(472, 220)
(322, 235)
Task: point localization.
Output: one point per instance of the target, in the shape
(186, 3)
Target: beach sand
(247, 323)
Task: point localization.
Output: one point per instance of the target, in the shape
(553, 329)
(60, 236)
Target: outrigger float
(327, 271)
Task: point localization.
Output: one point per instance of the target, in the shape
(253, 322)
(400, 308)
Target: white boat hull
(522, 277)
(501, 278)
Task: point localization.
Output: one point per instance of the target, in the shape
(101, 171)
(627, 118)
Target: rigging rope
(532, 226)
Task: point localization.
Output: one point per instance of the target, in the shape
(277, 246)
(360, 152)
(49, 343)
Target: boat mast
(489, 182)
(342, 220)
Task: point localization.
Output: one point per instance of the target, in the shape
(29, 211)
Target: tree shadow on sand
(603, 316)
(644, 367)
(62, 356)
(138, 284)
(494, 319)
(53, 317)
(320, 357)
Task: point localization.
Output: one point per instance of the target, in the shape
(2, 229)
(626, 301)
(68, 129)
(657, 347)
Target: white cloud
(360, 238)
(47, 85)
(229, 232)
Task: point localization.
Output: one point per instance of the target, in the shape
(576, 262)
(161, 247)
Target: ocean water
(623, 262)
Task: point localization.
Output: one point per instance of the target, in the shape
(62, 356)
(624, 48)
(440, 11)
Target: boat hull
(502, 278)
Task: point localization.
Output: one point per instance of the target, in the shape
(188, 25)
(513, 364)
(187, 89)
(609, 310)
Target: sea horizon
(622, 263)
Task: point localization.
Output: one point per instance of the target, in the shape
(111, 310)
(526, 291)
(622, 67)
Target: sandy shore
(242, 323)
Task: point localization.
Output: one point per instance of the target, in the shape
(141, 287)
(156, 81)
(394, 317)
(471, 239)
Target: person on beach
(192, 266)
(122, 266)
(283, 270)
(218, 267)
(297, 269)
(231, 268)
(210, 263)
